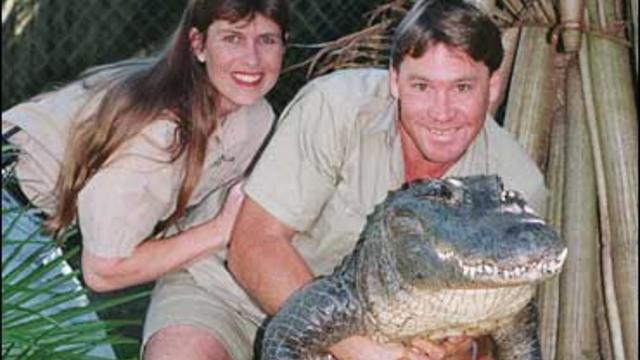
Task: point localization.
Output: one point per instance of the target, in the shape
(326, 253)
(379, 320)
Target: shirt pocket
(219, 172)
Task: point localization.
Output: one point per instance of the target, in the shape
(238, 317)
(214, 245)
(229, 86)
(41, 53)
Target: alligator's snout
(477, 231)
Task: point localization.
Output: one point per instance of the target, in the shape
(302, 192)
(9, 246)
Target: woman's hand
(217, 231)
(223, 222)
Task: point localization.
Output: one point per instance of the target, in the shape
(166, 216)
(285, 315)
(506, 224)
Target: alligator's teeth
(489, 269)
(455, 182)
(466, 271)
(480, 269)
(512, 208)
(562, 255)
(534, 221)
(529, 210)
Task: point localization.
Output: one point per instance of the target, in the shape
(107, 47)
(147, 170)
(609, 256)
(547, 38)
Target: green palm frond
(46, 313)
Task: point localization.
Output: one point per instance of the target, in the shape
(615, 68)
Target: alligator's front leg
(519, 339)
(314, 318)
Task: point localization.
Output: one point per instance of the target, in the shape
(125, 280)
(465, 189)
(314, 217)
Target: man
(350, 137)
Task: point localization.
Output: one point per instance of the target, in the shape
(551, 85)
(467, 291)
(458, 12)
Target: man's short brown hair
(455, 23)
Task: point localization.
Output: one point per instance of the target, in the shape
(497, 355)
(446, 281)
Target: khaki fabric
(336, 154)
(46, 121)
(122, 203)
(178, 300)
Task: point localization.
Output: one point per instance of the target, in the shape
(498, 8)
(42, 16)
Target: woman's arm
(154, 258)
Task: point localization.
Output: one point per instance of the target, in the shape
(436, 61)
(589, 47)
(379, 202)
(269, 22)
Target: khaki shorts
(178, 300)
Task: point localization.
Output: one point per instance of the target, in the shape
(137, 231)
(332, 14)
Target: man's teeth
(247, 77)
(442, 132)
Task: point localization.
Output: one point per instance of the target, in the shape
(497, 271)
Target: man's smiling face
(443, 98)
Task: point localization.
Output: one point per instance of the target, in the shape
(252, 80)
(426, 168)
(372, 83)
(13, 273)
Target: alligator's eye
(403, 221)
(441, 193)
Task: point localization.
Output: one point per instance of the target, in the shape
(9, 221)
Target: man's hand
(457, 348)
(453, 348)
(362, 348)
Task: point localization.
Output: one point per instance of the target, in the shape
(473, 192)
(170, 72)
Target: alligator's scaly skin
(436, 258)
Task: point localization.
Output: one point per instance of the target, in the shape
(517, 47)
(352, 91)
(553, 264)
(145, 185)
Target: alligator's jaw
(488, 272)
(436, 314)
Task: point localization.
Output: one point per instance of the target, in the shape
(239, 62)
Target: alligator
(437, 258)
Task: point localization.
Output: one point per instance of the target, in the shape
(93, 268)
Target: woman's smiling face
(243, 59)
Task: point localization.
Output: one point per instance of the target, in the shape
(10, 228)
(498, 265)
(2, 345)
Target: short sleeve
(45, 122)
(121, 204)
(298, 170)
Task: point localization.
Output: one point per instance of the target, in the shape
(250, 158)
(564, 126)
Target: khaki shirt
(337, 153)
(122, 203)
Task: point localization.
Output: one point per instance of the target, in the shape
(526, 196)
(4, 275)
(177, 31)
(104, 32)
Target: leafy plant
(46, 313)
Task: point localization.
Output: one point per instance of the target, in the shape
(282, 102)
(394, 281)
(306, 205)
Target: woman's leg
(184, 342)
(187, 321)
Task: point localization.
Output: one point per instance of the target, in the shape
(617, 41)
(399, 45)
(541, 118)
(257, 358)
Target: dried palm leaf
(615, 125)
(549, 292)
(610, 299)
(571, 12)
(531, 93)
(578, 335)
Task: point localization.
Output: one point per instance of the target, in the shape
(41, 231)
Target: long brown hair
(136, 92)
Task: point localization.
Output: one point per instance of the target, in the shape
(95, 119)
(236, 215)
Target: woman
(145, 153)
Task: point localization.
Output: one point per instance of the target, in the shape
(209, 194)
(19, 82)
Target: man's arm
(262, 258)
(270, 269)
